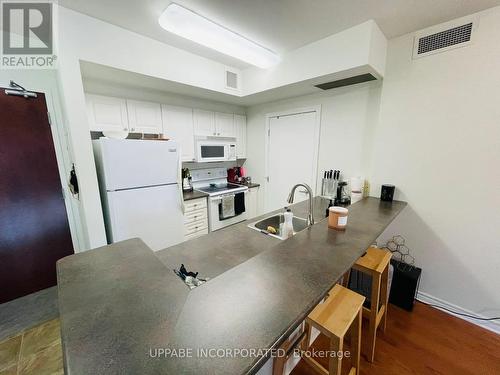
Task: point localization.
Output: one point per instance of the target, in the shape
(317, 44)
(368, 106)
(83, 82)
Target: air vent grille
(231, 80)
(346, 81)
(446, 38)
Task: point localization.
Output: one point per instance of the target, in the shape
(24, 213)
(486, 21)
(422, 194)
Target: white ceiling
(280, 25)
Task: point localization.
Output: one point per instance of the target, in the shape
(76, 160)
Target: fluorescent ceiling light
(192, 26)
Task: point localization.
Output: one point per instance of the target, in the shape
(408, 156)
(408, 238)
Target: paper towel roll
(357, 184)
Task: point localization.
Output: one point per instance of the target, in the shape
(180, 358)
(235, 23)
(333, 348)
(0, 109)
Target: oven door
(212, 151)
(214, 222)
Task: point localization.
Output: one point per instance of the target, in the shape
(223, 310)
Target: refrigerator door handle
(179, 177)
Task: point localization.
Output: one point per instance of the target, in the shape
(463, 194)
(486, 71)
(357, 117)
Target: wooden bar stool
(376, 264)
(333, 318)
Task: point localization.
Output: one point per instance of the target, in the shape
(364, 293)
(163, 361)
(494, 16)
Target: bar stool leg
(304, 345)
(374, 306)
(345, 279)
(335, 365)
(384, 296)
(356, 340)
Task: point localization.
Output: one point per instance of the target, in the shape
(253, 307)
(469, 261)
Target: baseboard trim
(492, 325)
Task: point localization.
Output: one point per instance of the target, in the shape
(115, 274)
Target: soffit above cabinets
(280, 25)
(358, 50)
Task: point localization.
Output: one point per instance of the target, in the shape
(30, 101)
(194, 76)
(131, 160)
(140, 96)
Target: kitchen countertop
(195, 194)
(121, 302)
(250, 184)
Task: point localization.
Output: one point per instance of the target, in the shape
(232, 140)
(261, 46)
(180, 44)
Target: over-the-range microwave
(212, 150)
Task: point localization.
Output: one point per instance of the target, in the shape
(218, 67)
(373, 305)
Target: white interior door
(292, 156)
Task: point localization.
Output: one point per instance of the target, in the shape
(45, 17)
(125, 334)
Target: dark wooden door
(34, 230)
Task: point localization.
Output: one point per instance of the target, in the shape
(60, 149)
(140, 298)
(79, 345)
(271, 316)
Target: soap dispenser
(288, 225)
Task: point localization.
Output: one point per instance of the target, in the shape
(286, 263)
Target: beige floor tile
(9, 352)
(46, 362)
(9, 371)
(40, 337)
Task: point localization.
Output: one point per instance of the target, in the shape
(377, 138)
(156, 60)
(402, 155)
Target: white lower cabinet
(252, 202)
(195, 218)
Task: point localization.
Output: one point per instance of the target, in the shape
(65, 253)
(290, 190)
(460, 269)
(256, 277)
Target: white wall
(346, 114)
(438, 141)
(359, 47)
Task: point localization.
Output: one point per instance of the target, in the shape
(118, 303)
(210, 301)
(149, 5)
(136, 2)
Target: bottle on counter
(328, 208)
(288, 224)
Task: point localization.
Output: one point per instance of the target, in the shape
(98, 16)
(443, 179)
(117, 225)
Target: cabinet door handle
(132, 129)
(125, 129)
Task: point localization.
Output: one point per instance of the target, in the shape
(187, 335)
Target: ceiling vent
(232, 80)
(443, 38)
(346, 81)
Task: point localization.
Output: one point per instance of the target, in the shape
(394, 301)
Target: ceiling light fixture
(192, 26)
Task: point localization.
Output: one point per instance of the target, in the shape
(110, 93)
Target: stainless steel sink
(299, 224)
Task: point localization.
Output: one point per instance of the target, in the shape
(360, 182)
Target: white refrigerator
(140, 190)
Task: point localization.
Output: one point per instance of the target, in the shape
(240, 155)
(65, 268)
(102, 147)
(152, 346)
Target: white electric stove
(213, 181)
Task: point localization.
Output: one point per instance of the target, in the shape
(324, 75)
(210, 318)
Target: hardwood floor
(426, 341)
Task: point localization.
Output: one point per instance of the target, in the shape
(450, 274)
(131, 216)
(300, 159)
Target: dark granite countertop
(120, 301)
(250, 184)
(195, 194)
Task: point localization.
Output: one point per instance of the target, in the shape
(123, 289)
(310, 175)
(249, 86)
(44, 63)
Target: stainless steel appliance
(215, 150)
(213, 181)
(186, 180)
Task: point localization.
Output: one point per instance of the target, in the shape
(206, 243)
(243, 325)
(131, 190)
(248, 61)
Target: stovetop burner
(215, 188)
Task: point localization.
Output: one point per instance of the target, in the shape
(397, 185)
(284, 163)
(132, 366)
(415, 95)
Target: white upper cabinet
(218, 124)
(224, 124)
(204, 123)
(107, 113)
(240, 124)
(178, 125)
(144, 117)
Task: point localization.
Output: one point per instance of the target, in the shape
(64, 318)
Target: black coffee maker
(342, 198)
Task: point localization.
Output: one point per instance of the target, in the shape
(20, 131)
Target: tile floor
(36, 351)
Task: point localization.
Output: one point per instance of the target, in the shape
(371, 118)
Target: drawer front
(196, 234)
(195, 204)
(196, 226)
(197, 215)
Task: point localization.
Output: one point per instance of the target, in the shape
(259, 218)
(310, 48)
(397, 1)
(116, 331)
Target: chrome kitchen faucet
(310, 217)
